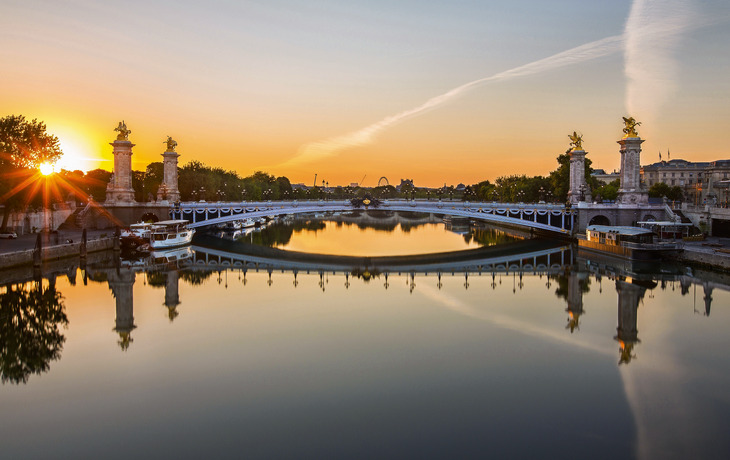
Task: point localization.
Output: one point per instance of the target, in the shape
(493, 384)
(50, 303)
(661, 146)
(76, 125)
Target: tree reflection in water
(30, 316)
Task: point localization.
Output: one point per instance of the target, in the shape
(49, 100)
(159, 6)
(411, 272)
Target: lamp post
(542, 194)
(520, 196)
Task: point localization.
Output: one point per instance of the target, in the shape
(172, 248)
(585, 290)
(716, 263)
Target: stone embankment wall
(30, 222)
(705, 259)
(25, 257)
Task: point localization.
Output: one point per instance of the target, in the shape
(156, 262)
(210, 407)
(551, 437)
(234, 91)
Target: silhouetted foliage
(195, 277)
(660, 189)
(24, 146)
(30, 316)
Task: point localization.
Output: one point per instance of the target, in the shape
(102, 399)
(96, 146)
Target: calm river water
(510, 348)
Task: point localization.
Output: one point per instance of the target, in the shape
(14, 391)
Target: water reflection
(361, 233)
(32, 311)
(31, 314)
(298, 331)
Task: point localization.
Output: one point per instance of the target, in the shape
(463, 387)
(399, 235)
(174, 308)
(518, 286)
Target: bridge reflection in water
(566, 276)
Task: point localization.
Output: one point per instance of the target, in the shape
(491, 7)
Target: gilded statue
(123, 131)
(630, 129)
(171, 144)
(576, 141)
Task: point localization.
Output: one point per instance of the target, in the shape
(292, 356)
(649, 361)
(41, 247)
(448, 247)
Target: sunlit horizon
(388, 90)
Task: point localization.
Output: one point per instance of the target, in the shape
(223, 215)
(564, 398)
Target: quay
(22, 250)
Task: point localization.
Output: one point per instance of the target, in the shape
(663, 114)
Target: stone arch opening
(149, 217)
(599, 220)
(649, 218)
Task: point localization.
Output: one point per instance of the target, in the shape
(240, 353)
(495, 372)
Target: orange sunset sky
(439, 92)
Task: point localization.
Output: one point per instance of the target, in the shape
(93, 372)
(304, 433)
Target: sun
(46, 168)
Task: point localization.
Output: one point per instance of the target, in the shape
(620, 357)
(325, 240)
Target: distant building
(700, 181)
(299, 186)
(407, 183)
(604, 177)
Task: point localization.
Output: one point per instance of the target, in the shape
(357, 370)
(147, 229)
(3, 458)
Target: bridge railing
(543, 216)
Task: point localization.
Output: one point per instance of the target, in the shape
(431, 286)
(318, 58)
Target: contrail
(653, 30)
(317, 150)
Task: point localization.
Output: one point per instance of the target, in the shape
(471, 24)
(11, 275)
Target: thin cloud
(325, 148)
(653, 32)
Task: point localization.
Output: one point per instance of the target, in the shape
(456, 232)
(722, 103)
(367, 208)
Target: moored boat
(628, 242)
(170, 233)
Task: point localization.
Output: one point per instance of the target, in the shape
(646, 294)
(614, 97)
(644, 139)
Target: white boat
(169, 256)
(136, 237)
(170, 233)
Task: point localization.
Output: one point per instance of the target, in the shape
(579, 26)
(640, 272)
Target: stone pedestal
(168, 190)
(119, 190)
(630, 188)
(579, 190)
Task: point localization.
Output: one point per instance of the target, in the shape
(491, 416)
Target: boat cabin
(169, 230)
(616, 235)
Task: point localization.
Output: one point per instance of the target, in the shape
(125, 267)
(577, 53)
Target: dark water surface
(523, 350)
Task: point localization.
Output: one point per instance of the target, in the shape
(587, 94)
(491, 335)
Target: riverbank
(56, 246)
(713, 253)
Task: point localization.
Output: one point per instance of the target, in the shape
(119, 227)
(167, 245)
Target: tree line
(25, 145)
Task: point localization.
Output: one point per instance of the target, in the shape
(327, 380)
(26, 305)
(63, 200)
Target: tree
(24, 146)
(560, 178)
(660, 189)
(30, 316)
(608, 191)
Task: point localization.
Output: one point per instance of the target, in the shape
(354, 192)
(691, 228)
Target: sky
(354, 90)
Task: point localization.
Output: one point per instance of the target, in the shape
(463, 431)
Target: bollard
(82, 247)
(37, 256)
(117, 236)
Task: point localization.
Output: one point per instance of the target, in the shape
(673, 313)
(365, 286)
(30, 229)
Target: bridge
(551, 218)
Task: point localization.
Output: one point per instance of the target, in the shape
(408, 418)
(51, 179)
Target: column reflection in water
(121, 282)
(172, 294)
(627, 334)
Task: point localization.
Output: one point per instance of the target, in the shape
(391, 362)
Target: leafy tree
(96, 182)
(24, 146)
(560, 178)
(30, 339)
(660, 189)
(608, 191)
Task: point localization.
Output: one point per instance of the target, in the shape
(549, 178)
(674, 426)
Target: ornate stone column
(579, 190)
(168, 190)
(630, 188)
(119, 190)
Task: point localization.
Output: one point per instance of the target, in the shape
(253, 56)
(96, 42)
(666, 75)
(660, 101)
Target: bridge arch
(548, 218)
(383, 178)
(599, 220)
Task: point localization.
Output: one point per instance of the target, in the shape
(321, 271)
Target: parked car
(10, 235)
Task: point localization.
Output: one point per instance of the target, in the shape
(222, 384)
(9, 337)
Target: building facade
(701, 182)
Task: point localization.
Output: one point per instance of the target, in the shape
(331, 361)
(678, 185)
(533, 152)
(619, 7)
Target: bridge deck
(546, 217)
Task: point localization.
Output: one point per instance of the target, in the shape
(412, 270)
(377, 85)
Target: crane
(362, 180)
(315, 180)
